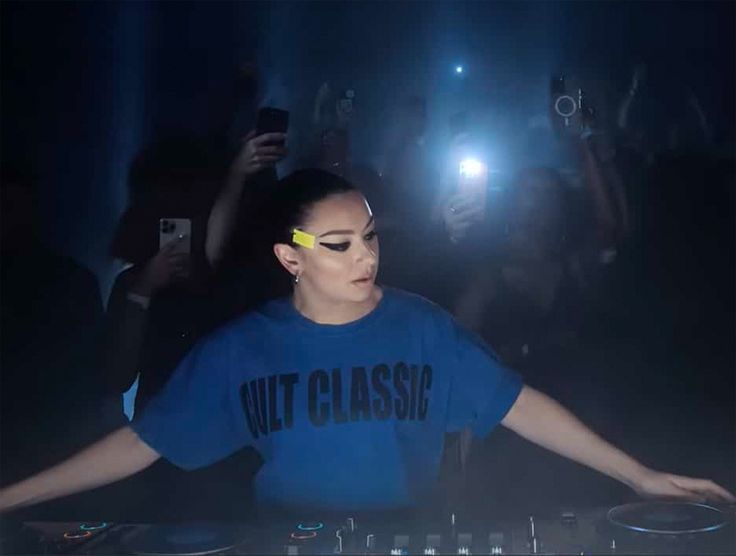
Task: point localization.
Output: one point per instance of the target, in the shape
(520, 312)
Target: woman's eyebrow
(345, 232)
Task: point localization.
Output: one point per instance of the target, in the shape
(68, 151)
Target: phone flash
(471, 168)
(458, 69)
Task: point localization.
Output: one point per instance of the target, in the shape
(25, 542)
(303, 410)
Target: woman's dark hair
(295, 195)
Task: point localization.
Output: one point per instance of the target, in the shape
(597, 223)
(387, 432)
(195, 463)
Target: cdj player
(639, 528)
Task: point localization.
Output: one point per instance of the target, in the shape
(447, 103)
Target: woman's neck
(331, 312)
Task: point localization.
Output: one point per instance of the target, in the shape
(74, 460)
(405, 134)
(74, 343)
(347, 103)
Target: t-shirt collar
(284, 308)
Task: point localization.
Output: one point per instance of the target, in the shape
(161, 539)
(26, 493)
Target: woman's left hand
(655, 484)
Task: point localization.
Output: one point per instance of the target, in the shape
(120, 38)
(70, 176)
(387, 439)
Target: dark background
(85, 85)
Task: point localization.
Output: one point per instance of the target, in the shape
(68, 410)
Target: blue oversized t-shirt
(344, 416)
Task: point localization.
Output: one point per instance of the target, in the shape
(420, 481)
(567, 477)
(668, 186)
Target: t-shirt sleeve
(482, 389)
(196, 419)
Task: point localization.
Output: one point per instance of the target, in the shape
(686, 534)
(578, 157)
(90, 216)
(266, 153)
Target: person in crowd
(634, 150)
(157, 302)
(405, 198)
(410, 184)
(460, 144)
(623, 115)
(522, 285)
(53, 398)
(238, 111)
(332, 109)
(598, 222)
(169, 297)
(235, 212)
(332, 149)
(524, 262)
(413, 234)
(343, 379)
(332, 143)
(328, 145)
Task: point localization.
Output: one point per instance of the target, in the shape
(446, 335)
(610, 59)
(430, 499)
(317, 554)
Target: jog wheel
(184, 539)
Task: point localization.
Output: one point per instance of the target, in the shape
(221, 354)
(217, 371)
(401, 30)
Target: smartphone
(171, 229)
(272, 120)
(345, 103)
(473, 182)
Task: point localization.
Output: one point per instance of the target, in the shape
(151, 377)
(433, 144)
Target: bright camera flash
(471, 168)
(458, 69)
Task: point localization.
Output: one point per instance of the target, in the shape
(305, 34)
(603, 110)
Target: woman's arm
(258, 153)
(115, 457)
(542, 420)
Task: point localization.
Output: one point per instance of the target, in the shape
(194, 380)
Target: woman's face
(344, 262)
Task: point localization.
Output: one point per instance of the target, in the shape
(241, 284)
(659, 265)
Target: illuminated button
(75, 535)
(92, 526)
(310, 526)
(306, 535)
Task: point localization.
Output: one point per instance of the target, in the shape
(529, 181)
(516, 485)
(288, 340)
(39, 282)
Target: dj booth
(637, 528)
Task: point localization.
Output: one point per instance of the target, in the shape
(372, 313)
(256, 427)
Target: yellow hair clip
(303, 238)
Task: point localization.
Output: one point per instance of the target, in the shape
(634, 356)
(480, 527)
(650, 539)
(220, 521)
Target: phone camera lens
(565, 106)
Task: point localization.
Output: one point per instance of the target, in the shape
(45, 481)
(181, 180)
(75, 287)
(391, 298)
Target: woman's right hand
(164, 268)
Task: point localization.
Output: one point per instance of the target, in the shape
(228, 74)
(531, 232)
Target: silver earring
(296, 278)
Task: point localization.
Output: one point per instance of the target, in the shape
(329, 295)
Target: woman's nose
(368, 250)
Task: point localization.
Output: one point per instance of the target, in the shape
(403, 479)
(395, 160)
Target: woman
(162, 302)
(346, 389)
(526, 295)
(166, 300)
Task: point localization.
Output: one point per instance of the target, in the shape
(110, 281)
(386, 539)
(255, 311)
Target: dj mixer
(638, 528)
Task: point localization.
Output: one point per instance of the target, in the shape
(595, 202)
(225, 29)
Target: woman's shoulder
(256, 321)
(413, 304)
(243, 336)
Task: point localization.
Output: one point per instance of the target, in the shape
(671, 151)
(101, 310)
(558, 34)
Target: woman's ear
(288, 256)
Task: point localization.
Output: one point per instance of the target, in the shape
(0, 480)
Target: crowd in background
(599, 263)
